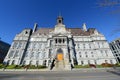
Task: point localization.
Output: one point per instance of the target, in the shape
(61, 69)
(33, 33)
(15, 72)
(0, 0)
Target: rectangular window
(84, 46)
(82, 62)
(15, 45)
(19, 45)
(11, 54)
(16, 54)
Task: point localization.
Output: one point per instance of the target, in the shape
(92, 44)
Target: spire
(35, 27)
(84, 27)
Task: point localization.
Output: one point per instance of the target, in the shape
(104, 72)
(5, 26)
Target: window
(37, 63)
(26, 32)
(80, 54)
(78, 46)
(13, 62)
(8, 62)
(88, 61)
(24, 62)
(106, 52)
(111, 61)
(19, 45)
(95, 61)
(30, 45)
(30, 62)
(55, 40)
(89, 46)
(11, 54)
(16, 54)
(82, 62)
(63, 40)
(84, 46)
(92, 54)
(60, 21)
(37, 55)
(98, 45)
(32, 55)
(60, 40)
(27, 54)
(86, 54)
(15, 45)
(33, 45)
(40, 55)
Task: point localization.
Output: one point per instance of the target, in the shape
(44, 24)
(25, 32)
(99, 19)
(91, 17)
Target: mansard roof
(74, 31)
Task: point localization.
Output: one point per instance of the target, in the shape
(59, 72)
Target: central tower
(60, 27)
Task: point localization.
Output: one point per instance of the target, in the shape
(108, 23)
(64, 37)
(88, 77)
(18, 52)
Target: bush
(81, 66)
(11, 67)
(18, 67)
(26, 66)
(1, 66)
(99, 66)
(107, 65)
(92, 65)
(117, 64)
(32, 67)
(41, 67)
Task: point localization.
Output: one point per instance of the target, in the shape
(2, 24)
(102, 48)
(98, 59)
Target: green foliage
(23, 67)
(99, 66)
(11, 67)
(41, 67)
(18, 67)
(117, 64)
(32, 67)
(1, 66)
(81, 66)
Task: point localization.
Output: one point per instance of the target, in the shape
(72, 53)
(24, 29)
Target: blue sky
(15, 15)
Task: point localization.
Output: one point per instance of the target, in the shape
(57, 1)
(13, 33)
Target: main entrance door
(60, 56)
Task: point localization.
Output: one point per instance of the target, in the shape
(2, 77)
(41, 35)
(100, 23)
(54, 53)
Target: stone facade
(59, 45)
(115, 47)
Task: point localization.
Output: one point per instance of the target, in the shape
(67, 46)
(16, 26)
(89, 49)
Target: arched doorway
(60, 55)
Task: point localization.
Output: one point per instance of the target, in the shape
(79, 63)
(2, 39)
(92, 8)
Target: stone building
(59, 45)
(115, 47)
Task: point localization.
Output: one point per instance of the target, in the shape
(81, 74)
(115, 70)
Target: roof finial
(84, 27)
(35, 27)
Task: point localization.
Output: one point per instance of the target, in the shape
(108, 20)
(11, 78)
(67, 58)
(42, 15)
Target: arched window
(60, 40)
(59, 50)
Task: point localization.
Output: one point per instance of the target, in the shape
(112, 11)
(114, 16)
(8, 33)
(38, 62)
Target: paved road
(60, 75)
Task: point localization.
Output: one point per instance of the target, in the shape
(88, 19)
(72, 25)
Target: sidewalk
(74, 69)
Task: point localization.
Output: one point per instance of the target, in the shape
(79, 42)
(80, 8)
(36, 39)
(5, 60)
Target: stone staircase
(62, 65)
(59, 65)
